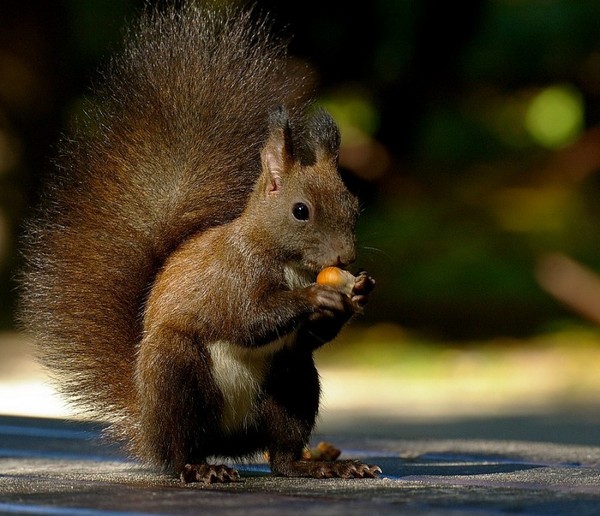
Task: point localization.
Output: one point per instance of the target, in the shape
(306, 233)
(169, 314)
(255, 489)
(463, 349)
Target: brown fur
(172, 132)
(167, 237)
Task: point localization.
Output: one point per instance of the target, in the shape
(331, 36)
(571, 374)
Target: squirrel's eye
(300, 211)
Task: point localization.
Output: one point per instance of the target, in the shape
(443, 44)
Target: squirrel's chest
(240, 374)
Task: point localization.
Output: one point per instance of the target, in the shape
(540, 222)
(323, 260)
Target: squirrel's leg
(290, 412)
(177, 407)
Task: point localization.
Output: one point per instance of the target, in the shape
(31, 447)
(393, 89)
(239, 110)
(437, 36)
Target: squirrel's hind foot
(346, 469)
(208, 474)
(330, 469)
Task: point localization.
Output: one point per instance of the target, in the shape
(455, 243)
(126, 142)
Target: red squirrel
(170, 267)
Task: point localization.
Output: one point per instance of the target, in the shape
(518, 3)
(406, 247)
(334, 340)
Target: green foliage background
(462, 198)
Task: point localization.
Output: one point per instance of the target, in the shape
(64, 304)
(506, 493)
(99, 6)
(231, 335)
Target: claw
(208, 474)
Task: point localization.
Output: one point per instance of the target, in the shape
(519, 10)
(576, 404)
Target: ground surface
(58, 467)
(510, 428)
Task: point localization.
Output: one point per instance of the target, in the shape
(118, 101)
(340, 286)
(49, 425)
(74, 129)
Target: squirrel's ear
(277, 155)
(324, 135)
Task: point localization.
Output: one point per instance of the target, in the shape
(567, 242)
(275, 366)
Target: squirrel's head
(311, 215)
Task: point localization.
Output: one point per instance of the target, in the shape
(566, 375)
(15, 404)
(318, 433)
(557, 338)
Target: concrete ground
(481, 460)
(59, 467)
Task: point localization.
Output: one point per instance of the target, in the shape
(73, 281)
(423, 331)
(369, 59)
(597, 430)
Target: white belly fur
(240, 373)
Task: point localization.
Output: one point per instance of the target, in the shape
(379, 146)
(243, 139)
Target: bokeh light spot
(554, 117)
(355, 114)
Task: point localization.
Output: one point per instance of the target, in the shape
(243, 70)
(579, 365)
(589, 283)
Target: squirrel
(170, 266)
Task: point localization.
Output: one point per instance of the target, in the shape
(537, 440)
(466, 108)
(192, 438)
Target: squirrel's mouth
(310, 268)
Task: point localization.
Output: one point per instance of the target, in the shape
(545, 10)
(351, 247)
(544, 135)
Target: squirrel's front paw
(329, 303)
(208, 474)
(363, 286)
(356, 287)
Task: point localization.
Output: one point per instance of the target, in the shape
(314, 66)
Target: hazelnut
(337, 278)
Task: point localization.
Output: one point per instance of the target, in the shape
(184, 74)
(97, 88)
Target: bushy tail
(169, 146)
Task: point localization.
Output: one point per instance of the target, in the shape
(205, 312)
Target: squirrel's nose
(344, 261)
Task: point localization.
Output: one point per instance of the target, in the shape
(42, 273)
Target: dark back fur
(170, 147)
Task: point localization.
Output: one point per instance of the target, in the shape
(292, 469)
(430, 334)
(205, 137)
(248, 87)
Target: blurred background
(472, 136)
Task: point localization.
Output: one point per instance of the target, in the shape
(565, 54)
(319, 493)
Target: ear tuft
(278, 154)
(324, 134)
(280, 129)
